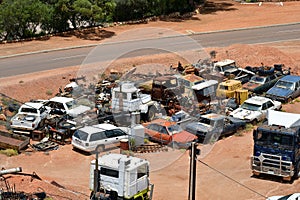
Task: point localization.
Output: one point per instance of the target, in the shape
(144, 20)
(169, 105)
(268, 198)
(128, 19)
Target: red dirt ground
(229, 156)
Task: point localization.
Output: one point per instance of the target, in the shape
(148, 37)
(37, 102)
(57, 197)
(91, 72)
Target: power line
(248, 188)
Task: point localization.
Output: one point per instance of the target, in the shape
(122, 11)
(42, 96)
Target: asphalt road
(28, 63)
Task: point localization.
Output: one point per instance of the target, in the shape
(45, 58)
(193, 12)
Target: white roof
(288, 120)
(126, 87)
(32, 105)
(258, 100)
(105, 126)
(61, 99)
(72, 85)
(112, 160)
(224, 62)
(204, 84)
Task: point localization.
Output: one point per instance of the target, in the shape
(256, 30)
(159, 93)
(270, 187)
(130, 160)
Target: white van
(104, 135)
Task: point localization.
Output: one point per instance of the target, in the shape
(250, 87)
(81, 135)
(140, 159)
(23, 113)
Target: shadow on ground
(213, 7)
(95, 34)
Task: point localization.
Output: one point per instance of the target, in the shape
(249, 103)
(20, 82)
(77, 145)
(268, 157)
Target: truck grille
(272, 164)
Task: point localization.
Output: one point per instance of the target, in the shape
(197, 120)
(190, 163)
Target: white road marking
(65, 58)
(289, 31)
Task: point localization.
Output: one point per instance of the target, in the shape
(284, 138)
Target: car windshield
(228, 67)
(250, 106)
(284, 84)
(29, 110)
(174, 129)
(258, 79)
(81, 135)
(206, 121)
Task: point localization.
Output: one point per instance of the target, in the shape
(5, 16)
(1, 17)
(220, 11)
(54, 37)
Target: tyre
(254, 122)
(151, 113)
(297, 171)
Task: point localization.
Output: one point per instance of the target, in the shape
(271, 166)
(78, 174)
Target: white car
(65, 105)
(30, 116)
(88, 138)
(294, 196)
(255, 109)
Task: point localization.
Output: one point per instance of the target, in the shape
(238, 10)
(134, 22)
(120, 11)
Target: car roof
(224, 62)
(192, 78)
(32, 105)
(160, 121)
(204, 84)
(290, 78)
(213, 116)
(230, 82)
(61, 99)
(90, 129)
(257, 100)
(105, 126)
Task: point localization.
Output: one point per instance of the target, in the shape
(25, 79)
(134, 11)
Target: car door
(111, 137)
(229, 127)
(97, 138)
(165, 136)
(152, 130)
(265, 107)
(297, 90)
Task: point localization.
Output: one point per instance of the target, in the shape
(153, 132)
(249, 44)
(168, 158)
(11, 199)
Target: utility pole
(193, 160)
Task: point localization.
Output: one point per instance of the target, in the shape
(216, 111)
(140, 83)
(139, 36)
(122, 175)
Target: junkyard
(61, 109)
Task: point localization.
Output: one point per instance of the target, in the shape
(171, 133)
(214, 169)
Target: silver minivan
(102, 135)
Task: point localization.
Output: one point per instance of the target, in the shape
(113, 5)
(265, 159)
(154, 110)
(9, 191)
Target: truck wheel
(297, 171)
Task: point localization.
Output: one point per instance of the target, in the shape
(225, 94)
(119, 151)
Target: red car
(166, 132)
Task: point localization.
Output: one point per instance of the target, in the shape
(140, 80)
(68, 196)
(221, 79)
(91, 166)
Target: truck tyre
(297, 171)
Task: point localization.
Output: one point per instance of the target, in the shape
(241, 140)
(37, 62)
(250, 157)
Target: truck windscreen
(271, 138)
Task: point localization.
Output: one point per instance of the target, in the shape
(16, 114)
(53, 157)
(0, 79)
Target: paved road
(109, 51)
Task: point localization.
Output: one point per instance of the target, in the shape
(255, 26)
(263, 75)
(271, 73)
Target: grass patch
(297, 100)
(239, 133)
(9, 152)
(49, 92)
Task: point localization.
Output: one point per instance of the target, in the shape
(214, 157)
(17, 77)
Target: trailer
(13, 141)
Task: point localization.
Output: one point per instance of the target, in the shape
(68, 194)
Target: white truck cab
(121, 176)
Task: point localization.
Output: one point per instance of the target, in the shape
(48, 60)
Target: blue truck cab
(286, 89)
(276, 148)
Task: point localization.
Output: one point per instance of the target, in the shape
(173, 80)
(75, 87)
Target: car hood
(184, 137)
(282, 92)
(241, 113)
(250, 85)
(194, 127)
(78, 110)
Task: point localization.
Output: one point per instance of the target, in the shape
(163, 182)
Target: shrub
(9, 152)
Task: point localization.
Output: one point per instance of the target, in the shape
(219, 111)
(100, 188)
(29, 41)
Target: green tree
(20, 18)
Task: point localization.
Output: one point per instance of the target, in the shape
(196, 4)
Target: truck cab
(276, 146)
(120, 177)
(126, 98)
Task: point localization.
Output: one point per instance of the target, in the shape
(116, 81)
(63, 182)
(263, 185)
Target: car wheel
(100, 148)
(254, 122)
